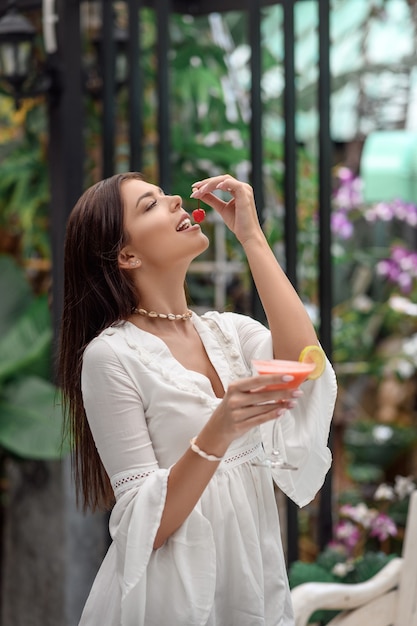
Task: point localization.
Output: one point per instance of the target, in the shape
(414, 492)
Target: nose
(175, 203)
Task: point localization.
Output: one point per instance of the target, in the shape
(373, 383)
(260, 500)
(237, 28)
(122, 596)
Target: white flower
(384, 492)
(410, 346)
(403, 305)
(341, 569)
(404, 486)
(405, 369)
(382, 433)
(211, 138)
(362, 303)
(360, 514)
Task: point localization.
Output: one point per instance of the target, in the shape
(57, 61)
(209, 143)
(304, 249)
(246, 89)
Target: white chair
(387, 599)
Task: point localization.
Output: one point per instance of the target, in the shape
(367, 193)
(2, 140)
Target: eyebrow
(148, 194)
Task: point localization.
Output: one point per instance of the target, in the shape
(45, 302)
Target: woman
(195, 528)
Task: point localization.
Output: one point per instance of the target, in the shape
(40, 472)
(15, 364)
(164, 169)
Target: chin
(206, 243)
(203, 245)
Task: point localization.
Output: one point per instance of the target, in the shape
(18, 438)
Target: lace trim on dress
(123, 481)
(240, 455)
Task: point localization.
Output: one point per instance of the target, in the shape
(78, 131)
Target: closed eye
(151, 205)
(149, 194)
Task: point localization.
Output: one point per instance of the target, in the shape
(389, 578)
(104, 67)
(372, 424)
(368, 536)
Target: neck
(162, 291)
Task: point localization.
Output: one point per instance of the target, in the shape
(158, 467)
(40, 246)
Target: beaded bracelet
(197, 450)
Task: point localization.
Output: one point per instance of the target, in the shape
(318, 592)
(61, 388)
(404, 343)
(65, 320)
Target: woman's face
(158, 230)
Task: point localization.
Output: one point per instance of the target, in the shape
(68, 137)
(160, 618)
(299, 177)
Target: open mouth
(184, 224)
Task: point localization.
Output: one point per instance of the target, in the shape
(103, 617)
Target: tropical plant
(30, 408)
(376, 286)
(24, 190)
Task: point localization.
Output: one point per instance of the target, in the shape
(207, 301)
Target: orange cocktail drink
(299, 371)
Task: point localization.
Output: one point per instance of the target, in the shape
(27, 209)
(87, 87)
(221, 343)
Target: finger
(246, 405)
(269, 382)
(259, 413)
(212, 200)
(221, 183)
(212, 182)
(287, 399)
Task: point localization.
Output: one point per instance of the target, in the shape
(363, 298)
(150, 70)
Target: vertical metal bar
(162, 10)
(135, 83)
(290, 220)
(325, 258)
(66, 176)
(220, 259)
(254, 15)
(290, 146)
(256, 145)
(108, 60)
(66, 149)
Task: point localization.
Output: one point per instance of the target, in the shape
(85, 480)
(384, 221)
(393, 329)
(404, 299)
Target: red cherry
(199, 215)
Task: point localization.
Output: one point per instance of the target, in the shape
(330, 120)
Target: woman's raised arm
(289, 323)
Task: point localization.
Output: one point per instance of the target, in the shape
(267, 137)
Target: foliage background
(210, 107)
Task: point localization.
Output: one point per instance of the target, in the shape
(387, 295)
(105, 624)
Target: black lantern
(16, 45)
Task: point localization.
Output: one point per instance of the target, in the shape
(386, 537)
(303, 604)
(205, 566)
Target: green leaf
(31, 419)
(370, 564)
(26, 348)
(301, 572)
(13, 285)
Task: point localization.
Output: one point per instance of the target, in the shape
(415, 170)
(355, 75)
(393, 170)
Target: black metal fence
(66, 136)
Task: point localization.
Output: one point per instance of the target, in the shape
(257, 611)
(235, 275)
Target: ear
(128, 261)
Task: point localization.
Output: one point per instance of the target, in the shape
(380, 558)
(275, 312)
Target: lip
(192, 226)
(183, 216)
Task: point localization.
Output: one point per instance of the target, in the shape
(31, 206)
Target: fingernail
(287, 378)
(291, 404)
(297, 393)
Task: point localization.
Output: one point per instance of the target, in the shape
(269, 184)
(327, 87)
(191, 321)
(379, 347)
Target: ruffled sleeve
(303, 432)
(303, 435)
(172, 585)
(137, 585)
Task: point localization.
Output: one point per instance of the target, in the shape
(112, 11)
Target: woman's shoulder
(108, 341)
(123, 341)
(229, 320)
(225, 317)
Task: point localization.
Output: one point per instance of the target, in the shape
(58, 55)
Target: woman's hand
(239, 213)
(248, 403)
(245, 405)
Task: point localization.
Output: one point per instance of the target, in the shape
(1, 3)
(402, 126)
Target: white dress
(224, 566)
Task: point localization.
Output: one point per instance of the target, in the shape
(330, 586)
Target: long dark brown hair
(96, 294)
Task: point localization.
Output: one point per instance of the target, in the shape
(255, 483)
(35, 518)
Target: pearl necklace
(172, 317)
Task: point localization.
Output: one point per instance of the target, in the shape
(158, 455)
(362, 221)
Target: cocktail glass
(299, 372)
